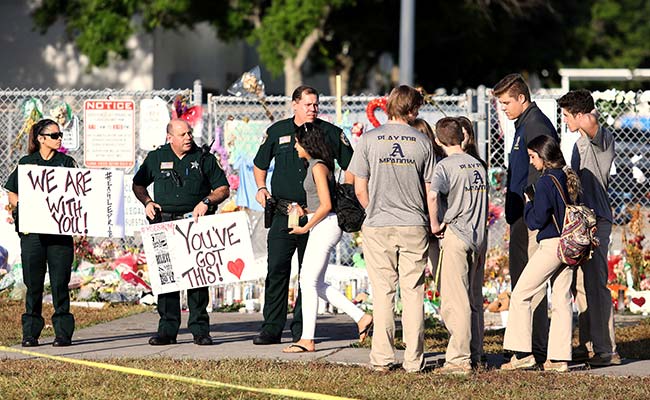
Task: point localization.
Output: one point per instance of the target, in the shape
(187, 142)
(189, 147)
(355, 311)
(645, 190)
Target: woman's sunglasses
(54, 135)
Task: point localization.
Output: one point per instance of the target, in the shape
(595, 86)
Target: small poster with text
(109, 133)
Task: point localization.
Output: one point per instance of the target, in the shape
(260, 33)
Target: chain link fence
(625, 114)
(239, 124)
(19, 106)
(236, 125)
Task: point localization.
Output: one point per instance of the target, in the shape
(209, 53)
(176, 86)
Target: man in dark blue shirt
(514, 97)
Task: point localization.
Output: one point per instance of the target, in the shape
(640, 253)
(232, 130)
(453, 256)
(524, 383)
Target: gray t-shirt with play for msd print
(397, 160)
(463, 179)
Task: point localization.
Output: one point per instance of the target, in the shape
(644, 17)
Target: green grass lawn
(46, 379)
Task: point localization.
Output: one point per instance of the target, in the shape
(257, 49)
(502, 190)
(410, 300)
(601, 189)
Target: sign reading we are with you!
(184, 255)
(70, 201)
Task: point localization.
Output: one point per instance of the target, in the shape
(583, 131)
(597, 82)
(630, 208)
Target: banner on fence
(109, 128)
(185, 255)
(71, 201)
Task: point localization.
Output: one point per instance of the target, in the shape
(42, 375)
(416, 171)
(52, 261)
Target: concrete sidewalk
(233, 334)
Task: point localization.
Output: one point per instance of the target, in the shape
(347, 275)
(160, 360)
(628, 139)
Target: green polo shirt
(195, 181)
(290, 170)
(58, 160)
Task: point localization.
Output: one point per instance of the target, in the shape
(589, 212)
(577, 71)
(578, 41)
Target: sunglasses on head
(53, 135)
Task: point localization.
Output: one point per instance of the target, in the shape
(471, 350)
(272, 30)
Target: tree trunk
(292, 76)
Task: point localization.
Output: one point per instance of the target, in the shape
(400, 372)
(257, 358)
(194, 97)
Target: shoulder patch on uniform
(266, 136)
(344, 139)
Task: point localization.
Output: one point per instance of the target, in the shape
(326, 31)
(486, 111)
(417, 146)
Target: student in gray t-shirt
(392, 166)
(592, 159)
(462, 179)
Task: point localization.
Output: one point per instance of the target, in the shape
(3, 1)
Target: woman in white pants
(324, 234)
(544, 211)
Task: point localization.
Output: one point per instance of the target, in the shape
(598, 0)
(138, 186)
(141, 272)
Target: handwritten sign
(109, 133)
(185, 255)
(71, 201)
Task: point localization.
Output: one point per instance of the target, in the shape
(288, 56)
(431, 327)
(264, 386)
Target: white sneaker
(516, 363)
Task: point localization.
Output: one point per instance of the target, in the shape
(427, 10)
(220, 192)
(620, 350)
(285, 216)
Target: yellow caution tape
(298, 394)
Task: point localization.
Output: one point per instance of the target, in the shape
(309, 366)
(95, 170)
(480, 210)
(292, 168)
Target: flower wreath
(372, 106)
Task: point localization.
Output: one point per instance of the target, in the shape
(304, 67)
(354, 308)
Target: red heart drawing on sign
(372, 106)
(639, 301)
(236, 267)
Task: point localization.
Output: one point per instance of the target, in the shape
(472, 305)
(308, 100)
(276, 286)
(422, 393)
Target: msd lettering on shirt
(462, 179)
(397, 160)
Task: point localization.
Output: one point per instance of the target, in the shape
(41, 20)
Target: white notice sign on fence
(109, 133)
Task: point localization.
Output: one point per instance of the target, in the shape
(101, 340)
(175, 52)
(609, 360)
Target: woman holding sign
(324, 233)
(40, 251)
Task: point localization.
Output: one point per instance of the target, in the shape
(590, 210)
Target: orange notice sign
(109, 133)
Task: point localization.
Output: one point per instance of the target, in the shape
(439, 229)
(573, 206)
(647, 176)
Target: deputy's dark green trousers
(169, 309)
(281, 246)
(38, 252)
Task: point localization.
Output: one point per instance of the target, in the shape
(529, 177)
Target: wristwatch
(206, 201)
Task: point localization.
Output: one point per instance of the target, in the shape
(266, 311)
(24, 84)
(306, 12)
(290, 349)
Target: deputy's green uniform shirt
(290, 171)
(58, 160)
(182, 191)
(36, 256)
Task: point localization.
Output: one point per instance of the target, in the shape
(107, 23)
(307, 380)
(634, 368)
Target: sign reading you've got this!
(185, 255)
(70, 201)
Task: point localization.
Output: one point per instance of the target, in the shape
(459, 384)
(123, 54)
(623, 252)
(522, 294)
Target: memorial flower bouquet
(251, 85)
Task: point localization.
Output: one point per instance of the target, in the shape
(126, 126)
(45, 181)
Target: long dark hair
(424, 127)
(34, 145)
(469, 143)
(550, 152)
(312, 139)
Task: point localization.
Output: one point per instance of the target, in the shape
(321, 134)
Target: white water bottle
(293, 215)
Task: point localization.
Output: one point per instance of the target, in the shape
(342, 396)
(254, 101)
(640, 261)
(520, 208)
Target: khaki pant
(593, 298)
(523, 244)
(542, 266)
(461, 281)
(397, 255)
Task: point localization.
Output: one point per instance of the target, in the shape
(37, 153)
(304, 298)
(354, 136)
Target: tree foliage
(616, 36)
(458, 43)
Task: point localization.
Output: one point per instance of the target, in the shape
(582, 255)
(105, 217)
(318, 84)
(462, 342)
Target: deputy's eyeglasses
(53, 135)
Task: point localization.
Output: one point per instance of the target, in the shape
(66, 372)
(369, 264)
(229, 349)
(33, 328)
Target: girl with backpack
(324, 234)
(544, 211)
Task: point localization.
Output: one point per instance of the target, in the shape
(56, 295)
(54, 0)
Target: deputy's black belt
(172, 216)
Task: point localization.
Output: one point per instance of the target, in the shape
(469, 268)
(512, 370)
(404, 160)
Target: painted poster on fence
(185, 255)
(71, 201)
(109, 133)
(154, 117)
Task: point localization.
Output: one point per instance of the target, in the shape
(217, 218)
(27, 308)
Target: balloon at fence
(185, 255)
(71, 201)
